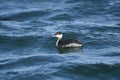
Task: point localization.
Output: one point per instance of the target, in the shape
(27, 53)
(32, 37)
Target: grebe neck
(58, 41)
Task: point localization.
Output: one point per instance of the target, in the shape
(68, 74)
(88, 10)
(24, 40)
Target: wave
(61, 66)
(23, 15)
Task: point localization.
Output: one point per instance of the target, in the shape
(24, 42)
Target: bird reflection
(68, 50)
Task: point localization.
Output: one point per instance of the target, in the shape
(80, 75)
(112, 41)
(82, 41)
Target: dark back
(68, 41)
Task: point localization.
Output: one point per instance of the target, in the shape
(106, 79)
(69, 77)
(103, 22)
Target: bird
(68, 43)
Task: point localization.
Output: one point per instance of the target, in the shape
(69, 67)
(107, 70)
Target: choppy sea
(28, 51)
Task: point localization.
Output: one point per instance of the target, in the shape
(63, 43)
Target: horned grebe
(66, 43)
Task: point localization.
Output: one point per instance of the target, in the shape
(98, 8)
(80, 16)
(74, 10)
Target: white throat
(59, 38)
(57, 42)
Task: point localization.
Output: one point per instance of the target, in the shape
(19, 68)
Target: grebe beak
(54, 36)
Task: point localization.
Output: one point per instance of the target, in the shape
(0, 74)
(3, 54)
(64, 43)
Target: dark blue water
(28, 51)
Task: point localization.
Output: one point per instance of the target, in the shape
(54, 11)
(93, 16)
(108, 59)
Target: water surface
(28, 51)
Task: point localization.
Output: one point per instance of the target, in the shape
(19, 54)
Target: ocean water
(28, 51)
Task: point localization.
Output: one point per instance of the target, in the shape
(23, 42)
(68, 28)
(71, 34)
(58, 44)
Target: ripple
(62, 17)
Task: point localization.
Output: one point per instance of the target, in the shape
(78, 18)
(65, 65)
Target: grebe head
(58, 35)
